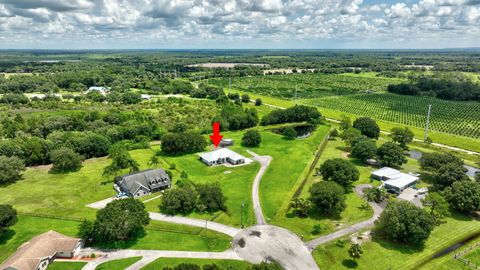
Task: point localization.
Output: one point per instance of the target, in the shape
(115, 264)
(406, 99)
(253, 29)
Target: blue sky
(275, 24)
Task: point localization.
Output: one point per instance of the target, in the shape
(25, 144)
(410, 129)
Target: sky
(239, 24)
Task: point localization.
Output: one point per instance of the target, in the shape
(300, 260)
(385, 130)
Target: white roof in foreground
(402, 180)
(385, 172)
(221, 153)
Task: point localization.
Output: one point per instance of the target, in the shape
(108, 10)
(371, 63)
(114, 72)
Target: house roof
(386, 172)
(148, 179)
(30, 253)
(401, 180)
(221, 153)
(98, 88)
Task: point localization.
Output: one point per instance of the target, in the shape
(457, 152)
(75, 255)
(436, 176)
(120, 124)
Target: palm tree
(153, 161)
(355, 251)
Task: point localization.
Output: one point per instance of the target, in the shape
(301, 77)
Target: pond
(303, 131)
(470, 170)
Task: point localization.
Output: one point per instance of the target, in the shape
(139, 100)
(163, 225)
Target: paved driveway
(377, 210)
(149, 256)
(231, 231)
(257, 207)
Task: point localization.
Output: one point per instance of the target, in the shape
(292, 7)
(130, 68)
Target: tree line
(440, 88)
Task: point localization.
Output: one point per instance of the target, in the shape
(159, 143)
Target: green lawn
(171, 262)
(278, 182)
(118, 264)
(379, 254)
(158, 235)
(66, 265)
(235, 182)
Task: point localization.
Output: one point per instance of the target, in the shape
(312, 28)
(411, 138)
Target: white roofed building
(222, 156)
(384, 173)
(394, 180)
(100, 89)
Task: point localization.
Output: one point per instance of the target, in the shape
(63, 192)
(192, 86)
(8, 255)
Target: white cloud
(151, 23)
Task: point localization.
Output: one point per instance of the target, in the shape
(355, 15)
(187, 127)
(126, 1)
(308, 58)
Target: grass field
(118, 264)
(157, 236)
(277, 183)
(171, 262)
(379, 254)
(66, 265)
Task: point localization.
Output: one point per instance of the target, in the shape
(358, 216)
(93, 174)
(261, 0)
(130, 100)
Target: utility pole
(230, 82)
(427, 123)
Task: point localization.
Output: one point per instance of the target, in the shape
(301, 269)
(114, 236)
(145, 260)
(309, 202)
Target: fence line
(459, 257)
(320, 150)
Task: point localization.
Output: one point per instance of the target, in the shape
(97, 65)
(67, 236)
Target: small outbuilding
(226, 142)
(143, 183)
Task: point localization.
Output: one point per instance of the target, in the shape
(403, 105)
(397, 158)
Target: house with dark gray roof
(143, 183)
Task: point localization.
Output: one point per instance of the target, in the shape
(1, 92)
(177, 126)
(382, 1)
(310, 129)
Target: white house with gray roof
(222, 156)
(143, 183)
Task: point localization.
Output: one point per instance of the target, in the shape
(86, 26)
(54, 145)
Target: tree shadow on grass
(349, 263)
(404, 248)
(133, 240)
(5, 236)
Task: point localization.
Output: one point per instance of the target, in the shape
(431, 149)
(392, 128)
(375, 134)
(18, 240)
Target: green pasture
(66, 265)
(157, 235)
(172, 262)
(118, 264)
(379, 254)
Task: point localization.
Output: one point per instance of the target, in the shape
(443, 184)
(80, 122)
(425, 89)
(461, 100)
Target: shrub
(367, 126)
(65, 159)
(11, 169)
(391, 155)
(182, 143)
(404, 222)
(251, 138)
(340, 171)
(179, 200)
(289, 133)
(463, 196)
(328, 197)
(8, 217)
(364, 150)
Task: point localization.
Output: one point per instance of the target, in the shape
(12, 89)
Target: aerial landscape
(239, 135)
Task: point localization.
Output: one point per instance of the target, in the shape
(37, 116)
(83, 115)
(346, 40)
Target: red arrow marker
(216, 137)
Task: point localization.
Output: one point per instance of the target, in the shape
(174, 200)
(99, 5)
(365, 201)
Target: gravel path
(377, 210)
(257, 207)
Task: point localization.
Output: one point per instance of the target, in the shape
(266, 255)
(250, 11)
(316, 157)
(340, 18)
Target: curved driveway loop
(270, 243)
